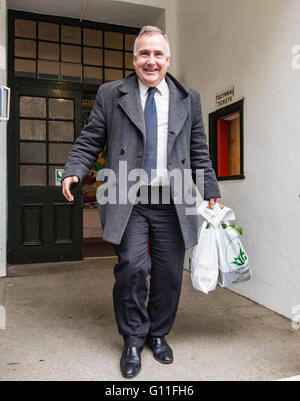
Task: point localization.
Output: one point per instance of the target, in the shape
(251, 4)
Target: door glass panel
(34, 107)
(48, 70)
(113, 59)
(93, 56)
(71, 54)
(25, 28)
(61, 109)
(32, 175)
(61, 131)
(48, 51)
(93, 75)
(113, 75)
(114, 40)
(25, 48)
(71, 34)
(32, 152)
(52, 173)
(25, 68)
(127, 72)
(129, 42)
(92, 37)
(71, 72)
(128, 60)
(33, 129)
(48, 31)
(58, 153)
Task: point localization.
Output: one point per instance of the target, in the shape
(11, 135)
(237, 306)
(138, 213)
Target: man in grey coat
(148, 122)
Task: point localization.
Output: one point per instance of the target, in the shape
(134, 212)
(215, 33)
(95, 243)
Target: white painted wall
(3, 125)
(247, 43)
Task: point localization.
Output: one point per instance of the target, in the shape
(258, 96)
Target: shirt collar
(163, 88)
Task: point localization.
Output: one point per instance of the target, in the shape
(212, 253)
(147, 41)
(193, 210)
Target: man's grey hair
(150, 30)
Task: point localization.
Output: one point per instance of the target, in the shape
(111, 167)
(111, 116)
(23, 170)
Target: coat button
(122, 151)
(183, 161)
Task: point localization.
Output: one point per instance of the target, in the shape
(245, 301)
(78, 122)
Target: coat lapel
(131, 103)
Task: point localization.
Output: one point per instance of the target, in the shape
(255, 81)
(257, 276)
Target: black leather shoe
(130, 361)
(161, 350)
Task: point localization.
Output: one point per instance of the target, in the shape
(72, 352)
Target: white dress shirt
(162, 106)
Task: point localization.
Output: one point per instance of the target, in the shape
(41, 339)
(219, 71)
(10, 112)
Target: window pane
(34, 107)
(127, 72)
(93, 56)
(32, 175)
(129, 42)
(48, 51)
(25, 28)
(71, 34)
(61, 131)
(113, 59)
(71, 72)
(48, 31)
(48, 70)
(32, 152)
(25, 48)
(113, 75)
(33, 129)
(93, 75)
(58, 153)
(61, 109)
(71, 54)
(25, 68)
(92, 37)
(113, 40)
(128, 60)
(52, 174)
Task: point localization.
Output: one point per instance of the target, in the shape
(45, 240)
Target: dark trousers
(164, 264)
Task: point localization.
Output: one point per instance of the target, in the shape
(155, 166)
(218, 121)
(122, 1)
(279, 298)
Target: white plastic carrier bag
(204, 260)
(233, 260)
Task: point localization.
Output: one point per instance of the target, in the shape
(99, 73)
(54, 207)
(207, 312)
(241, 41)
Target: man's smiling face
(151, 61)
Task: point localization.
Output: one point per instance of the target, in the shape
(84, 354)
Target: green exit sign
(58, 176)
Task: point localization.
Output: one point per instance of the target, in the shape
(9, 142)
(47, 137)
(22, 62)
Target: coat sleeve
(200, 158)
(90, 143)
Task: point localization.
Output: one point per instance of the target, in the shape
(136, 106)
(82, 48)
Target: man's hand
(66, 186)
(213, 201)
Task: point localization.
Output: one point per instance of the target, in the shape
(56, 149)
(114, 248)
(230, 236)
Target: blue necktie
(150, 113)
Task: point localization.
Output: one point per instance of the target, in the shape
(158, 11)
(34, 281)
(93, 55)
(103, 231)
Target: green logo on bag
(241, 259)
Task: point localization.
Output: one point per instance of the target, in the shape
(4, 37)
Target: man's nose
(151, 59)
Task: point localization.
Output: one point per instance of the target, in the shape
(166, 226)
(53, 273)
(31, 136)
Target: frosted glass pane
(113, 75)
(25, 48)
(48, 70)
(71, 54)
(61, 109)
(32, 152)
(129, 42)
(113, 40)
(113, 59)
(93, 75)
(127, 72)
(71, 72)
(61, 131)
(92, 37)
(34, 107)
(33, 129)
(58, 153)
(93, 56)
(48, 51)
(48, 31)
(32, 175)
(71, 34)
(25, 68)
(129, 60)
(25, 28)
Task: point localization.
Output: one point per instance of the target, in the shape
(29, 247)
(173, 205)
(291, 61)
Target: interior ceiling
(108, 11)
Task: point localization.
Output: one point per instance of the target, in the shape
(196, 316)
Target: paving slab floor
(60, 326)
